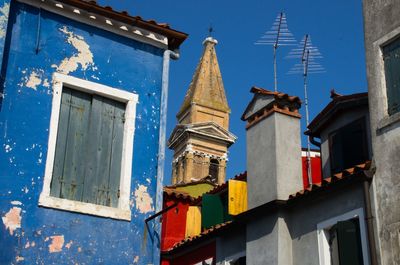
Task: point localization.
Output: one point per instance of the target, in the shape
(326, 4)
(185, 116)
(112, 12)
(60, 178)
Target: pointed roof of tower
(206, 88)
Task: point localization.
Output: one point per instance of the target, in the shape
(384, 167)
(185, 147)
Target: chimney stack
(273, 146)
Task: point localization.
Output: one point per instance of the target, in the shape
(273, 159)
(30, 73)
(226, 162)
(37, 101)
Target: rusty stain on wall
(83, 57)
(57, 243)
(144, 203)
(12, 219)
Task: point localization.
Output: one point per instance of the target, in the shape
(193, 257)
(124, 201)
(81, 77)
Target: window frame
(382, 47)
(123, 211)
(323, 235)
(384, 119)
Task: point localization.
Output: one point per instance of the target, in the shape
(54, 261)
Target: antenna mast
(278, 35)
(308, 54)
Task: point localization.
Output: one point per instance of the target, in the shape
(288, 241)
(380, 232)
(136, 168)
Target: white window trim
(123, 211)
(229, 259)
(323, 245)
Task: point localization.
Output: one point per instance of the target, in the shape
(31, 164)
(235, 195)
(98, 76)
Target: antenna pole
(305, 59)
(275, 49)
(275, 75)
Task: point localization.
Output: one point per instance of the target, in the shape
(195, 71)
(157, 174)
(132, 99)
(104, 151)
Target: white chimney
(273, 146)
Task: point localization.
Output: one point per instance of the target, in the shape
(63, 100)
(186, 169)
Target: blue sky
(335, 27)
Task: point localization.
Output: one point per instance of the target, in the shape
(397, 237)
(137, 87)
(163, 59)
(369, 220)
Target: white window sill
(85, 208)
(388, 121)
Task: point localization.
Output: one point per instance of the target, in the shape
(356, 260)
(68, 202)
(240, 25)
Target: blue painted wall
(24, 127)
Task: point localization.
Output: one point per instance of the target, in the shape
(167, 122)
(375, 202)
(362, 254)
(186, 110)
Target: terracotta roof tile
(283, 103)
(179, 194)
(206, 232)
(175, 38)
(337, 103)
(205, 180)
(224, 186)
(328, 182)
(278, 95)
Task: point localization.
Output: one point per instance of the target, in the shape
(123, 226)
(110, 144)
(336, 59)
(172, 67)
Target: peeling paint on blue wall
(33, 235)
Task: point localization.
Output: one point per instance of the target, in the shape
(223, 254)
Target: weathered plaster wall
(273, 159)
(381, 24)
(32, 234)
(305, 217)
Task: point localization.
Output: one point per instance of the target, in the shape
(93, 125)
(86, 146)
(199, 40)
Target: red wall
(315, 170)
(173, 224)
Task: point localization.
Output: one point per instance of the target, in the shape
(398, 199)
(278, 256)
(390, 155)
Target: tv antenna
(309, 55)
(278, 35)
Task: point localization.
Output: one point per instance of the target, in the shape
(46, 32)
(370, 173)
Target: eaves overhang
(89, 12)
(338, 105)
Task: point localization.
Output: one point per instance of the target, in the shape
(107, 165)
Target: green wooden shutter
(391, 56)
(212, 211)
(104, 153)
(88, 157)
(69, 164)
(349, 241)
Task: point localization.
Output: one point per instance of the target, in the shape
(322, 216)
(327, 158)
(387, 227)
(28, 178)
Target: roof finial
(210, 37)
(210, 30)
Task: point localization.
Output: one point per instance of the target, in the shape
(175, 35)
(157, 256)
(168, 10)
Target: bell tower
(201, 138)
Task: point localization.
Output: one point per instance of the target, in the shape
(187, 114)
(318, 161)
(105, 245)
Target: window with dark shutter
(345, 243)
(391, 57)
(88, 154)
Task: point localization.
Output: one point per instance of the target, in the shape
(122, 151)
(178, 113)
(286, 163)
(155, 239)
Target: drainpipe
(161, 147)
(314, 142)
(369, 219)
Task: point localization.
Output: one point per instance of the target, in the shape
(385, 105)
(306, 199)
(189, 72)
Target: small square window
(391, 57)
(89, 160)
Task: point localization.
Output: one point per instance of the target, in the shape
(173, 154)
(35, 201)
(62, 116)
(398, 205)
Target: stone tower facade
(201, 139)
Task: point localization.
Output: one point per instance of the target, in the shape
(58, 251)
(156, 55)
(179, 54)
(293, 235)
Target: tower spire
(206, 89)
(201, 138)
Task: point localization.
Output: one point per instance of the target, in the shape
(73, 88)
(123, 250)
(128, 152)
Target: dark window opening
(348, 146)
(214, 168)
(391, 57)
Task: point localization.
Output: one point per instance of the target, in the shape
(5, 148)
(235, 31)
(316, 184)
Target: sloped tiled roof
(338, 104)
(277, 94)
(177, 194)
(346, 174)
(224, 186)
(202, 235)
(205, 180)
(175, 38)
